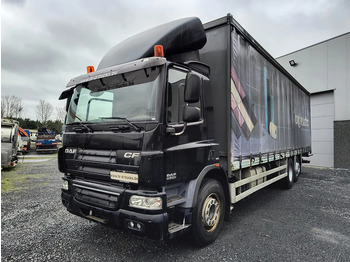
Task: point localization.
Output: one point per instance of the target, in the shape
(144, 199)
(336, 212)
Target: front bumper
(151, 224)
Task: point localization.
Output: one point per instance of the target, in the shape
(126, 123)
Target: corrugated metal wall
(324, 67)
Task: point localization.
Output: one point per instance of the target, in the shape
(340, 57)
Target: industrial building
(324, 70)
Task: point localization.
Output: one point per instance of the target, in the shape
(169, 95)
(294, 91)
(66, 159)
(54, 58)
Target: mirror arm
(171, 130)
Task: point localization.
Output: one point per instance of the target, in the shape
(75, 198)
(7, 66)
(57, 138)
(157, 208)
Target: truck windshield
(132, 96)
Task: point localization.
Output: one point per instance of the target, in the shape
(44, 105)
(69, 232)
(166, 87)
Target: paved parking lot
(310, 222)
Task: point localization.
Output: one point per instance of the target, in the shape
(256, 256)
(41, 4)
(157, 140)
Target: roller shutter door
(322, 131)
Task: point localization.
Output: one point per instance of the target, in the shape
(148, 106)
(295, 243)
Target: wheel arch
(220, 175)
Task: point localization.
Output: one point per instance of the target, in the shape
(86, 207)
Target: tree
(11, 107)
(27, 123)
(44, 111)
(54, 126)
(61, 113)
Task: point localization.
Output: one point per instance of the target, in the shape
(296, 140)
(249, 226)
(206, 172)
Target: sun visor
(178, 36)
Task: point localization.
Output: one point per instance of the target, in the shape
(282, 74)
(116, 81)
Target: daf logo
(70, 150)
(131, 155)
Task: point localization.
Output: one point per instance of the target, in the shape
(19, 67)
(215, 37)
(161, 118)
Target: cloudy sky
(46, 43)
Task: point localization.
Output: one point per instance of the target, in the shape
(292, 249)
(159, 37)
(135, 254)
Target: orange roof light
(158, 51)
(90, 69)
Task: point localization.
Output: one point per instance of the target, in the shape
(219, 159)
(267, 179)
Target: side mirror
(192, 88)
(191, 114)
(67, 94)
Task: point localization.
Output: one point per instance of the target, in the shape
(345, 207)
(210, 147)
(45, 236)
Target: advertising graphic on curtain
(269, 113)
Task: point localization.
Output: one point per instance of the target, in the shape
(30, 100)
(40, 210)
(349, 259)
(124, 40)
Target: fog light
(134, 225)
(65, 185)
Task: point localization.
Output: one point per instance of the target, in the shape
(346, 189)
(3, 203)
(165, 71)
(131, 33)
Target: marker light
(90, 69)
(65, 185)
(158, 51)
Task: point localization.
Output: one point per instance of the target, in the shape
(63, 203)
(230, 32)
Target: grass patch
(10, 184)
(12, 181)
(42, 156)
(6, 185)
(316, 167)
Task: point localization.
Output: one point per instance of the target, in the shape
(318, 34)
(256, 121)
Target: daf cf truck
(176, 125)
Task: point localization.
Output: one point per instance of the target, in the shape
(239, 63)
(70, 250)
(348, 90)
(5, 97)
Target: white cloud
(46, 43)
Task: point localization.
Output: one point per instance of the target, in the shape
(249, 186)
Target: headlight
(65, 185)
(153, 203)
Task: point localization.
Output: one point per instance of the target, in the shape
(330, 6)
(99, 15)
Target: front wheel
(208, 215)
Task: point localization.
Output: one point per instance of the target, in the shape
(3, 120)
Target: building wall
(325, 67)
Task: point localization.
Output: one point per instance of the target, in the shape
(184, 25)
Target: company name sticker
(125, 177)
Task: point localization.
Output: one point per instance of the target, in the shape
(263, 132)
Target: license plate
(125, 177)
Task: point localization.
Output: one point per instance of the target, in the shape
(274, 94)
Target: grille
(97, 164)
(97, 195)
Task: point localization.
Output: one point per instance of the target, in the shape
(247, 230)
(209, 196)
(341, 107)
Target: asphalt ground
(310, 222)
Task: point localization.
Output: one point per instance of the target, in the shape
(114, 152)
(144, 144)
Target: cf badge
(131, 155)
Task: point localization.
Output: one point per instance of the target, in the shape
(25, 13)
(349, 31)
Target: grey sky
(46, 43)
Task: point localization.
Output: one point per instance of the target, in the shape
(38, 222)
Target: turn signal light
(90, 69)
(158, 51)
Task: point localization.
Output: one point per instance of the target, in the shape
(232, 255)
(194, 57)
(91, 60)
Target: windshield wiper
(83, 128)
(137, 128)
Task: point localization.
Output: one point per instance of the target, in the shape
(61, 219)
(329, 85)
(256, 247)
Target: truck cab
(136, 135)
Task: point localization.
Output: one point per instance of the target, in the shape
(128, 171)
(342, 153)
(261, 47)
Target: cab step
(174, 227)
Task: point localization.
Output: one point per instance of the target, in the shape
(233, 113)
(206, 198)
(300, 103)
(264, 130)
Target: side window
(176, 98)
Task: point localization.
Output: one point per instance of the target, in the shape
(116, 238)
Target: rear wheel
(208, 215)
(289, 180)
(297, 168)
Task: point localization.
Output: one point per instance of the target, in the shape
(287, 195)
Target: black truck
(176, 125)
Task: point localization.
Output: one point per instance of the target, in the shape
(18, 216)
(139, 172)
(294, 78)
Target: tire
(208, 215)
(297, 168)
(289, 180)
